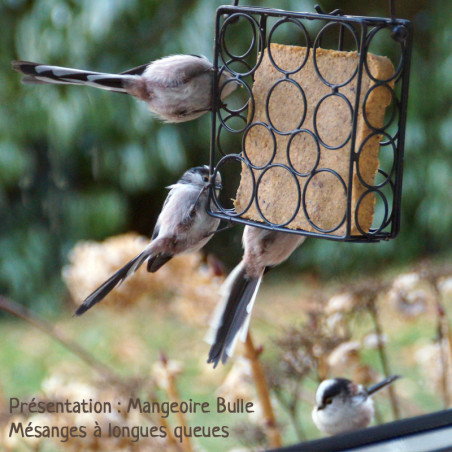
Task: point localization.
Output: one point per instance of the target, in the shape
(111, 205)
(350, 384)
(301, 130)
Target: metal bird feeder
(307, 169)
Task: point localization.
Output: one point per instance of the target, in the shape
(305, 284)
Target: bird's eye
(205, 179)
(328, 401)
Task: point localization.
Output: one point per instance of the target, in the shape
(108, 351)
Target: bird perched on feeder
(182, 226)
(263, 249)
(176, 88)
(343, 406)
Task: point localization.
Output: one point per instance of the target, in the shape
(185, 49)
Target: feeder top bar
(336, 14)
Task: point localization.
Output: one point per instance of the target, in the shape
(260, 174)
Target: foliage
(85, 164)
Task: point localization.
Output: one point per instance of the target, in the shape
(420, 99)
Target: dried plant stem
(444, 334)
(383, 357)
(292, 408)
(173, 394)
(171, 440)
(108, 374)
(445, 326)
(296, 425)
(262, 392)
(378, 417)
(322, 368)
(170, 437)
(443, 359)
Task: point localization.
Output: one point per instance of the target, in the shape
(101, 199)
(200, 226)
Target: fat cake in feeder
(309, 130)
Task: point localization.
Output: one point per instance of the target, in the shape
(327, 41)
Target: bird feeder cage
(312, 141)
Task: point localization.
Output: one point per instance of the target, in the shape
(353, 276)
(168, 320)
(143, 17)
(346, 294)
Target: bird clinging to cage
(182, 226)
(264, 249)
(342, 405)
(176, 88)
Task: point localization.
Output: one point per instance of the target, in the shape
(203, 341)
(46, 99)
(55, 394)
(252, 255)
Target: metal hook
(336, 12)
(235, 19)
(392, 10)
(399, 33)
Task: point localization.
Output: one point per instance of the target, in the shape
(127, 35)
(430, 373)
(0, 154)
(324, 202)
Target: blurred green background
(78, 163)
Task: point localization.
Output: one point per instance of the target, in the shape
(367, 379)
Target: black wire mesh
(235, 124)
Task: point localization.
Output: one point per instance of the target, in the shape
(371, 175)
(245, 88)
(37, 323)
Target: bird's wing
(136, 70)
(171, 73)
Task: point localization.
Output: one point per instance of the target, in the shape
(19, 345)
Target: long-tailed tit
(182, 226)
(264, 249)
(343, 406)
(176, 88)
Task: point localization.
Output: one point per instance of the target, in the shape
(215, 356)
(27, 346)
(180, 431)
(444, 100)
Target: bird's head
(199, 176)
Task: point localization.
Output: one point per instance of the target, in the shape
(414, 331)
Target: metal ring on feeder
(308, 45)
(305, 208)
(273, 152)
(303, 113)
(231, 212)
(296, 134)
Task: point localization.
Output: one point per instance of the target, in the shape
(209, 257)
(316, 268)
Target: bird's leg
(228, 226)
(193, 207)
(221, 104)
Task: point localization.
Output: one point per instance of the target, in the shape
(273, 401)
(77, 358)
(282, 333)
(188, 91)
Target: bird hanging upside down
(176, 88)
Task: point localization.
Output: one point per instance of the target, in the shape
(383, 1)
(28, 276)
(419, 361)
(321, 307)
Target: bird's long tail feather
(101, 292)
(231, 317)
(42, 74)
(382, 384)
